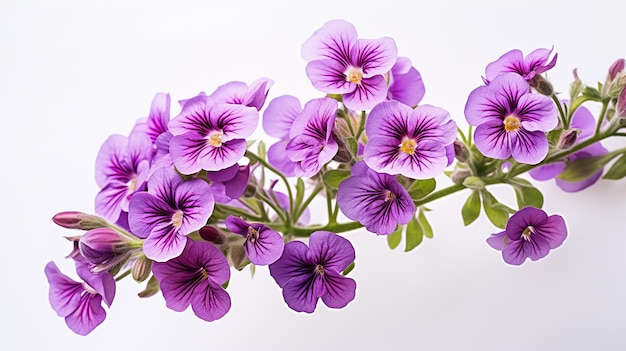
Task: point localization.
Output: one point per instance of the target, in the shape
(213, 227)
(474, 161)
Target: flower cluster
(185, 199)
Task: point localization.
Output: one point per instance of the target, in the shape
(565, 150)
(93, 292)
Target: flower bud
(78, 220)
(212, 235)
(141, 268)
(616, 68)
(461, 152)
(577, 85)
(104, 247)
(542, 85)
(568, 138)
(151, 288)
(459, 174)
(620, 108)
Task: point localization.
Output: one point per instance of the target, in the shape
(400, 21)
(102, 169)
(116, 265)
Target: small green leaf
(421, 187)
(152, 287)
(225, 285)
(474, 182)
(348, 269)
(352, 145)
(584, 168)
(414, 234)
(262, 150)
(528, 196)
(299, 192)
(252, 270)
(592, 93)
(334, 177)
(617, 170)
(471, 208)
(426, 227)
(497, 213)
(393, 239)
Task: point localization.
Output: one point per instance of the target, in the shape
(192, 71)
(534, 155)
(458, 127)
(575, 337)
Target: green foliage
(497, 212)
(471, 208)
(526, 194)
(393, 239)
(334, 177)
(299, 192)
(618, 169)
(416, 230)
(421, 188)
(584, 168)
(348, 269)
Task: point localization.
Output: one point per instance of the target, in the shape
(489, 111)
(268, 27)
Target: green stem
(254, 156)
(564, 118)
(306, 232)
(306, 202)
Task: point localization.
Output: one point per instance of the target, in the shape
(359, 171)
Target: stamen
(253, 234)
(319, 269)
(528, 232)
(389, 196)
(354, 75)
(177, 219)
(511, 123)
(408, 146)
(205, 275)
(215, 138)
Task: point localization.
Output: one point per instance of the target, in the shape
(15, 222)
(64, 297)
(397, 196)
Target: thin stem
(306, 202)
(564, 119)
(254, 156)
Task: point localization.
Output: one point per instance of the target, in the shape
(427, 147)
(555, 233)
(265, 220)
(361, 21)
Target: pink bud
(78, 220)
(616, 68)
(102, 246)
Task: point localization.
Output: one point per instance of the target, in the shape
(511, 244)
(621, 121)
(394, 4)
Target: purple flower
(527, 67)
(311, 142)
(262, 246)
(340, 63)
(407, 141)
(239, 93)
(210, 135)
(195, 278)
(375, 200)
(104, 248)
(171, 209)
(278, 118)
(405, 83)
(122, 167)
(510, 120)
(529, 233)
(582, 121)
(156, 122)
(80, 303)
(233, 181)
(308, 273)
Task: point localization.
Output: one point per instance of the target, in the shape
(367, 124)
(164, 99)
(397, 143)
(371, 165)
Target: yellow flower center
(511, 123)
(205, 275)
(527, 233)
(215, 138)
(177, 219)
(354, 75)
(408, 146)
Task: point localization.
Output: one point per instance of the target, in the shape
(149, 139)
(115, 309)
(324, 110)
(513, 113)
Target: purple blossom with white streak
(262, 245)
(341, 63)
(168, 211)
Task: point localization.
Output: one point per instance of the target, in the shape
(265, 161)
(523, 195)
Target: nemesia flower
(168, 211)
(239, 93)
(405, 83)
(407, 141)
(311, 142)
(122, 167)
(195, 278)
(210, 135)
(527, 67)
(529, 233)
(308, 273)
(80, 303)
(340, 63)
(375, 200)
(510, 120)
(262, 246)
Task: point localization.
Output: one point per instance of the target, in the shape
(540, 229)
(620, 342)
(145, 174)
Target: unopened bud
(577, 85)
(141, 268)
(461, 152)
(459, 174)
(620, 107)
(568, 138)
(250, 191)
(105, 248)
(616, 68)
(212, 234)
(237, 257)
(78, 220)
(542, 85)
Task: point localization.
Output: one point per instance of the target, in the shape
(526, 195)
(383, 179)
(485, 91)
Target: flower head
(405, 83)
(407, 141)
(510, 120)
(340, 63)
(527, 67)
(195, 278)
(156, 122)
(529, 233)
(308, 273)
(239, 93)
(168, 211)
(80, 303)
(262, 246)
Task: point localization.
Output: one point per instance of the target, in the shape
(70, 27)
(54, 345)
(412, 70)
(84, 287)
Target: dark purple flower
(309, 273)
(262, 246)
(407, 141)
(239, 93)
(375, 200)
(340, 63)
(527, 67)
(405, 83)
(168, 211)
(529, 233)
(80, 303)
(122, 167)
(210, 135)
(510, 120)
(195, 278)
(311, 142)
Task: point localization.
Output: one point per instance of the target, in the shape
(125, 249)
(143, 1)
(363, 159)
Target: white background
(74, 72)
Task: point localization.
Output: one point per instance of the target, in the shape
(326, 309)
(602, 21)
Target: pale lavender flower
(262, 245)
(168, 211)
(195, 278)
(156, 122)
(408, 141)
(122, 167)
(80, 303)
(529, 233)
(527, 67)
(210, 135)
(239, 93)
(311, 143)
(510, 120)
(405, 83)
(375, 200)
(308, 273)
(340, 63)
(278, 118)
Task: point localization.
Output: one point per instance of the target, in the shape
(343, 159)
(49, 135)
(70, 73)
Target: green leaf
(393, 239)
(427, 229)
(152, 287)
(617, 170)
(252, 270)
(414, 234)
(299, 192)
(474, 182)
(584, 168)
(332, 178)
(352, 145)
(471, 208)
(348, 269)
(497, 213)
(526, 194)
(592, 93)
(421, 187)
(262, 150)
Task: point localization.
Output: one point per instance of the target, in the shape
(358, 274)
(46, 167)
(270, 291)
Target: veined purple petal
(367, 94)
(374, 56)
(279, 116)
(64, 294)
(103, 282)
(87, 316)
(294, 262)
(159, 116)
(528, 147)
(223, 175)
(405, 83)
(212, 302)
(537, 113)
(111, 200)
(299, 294)
(164, 243)
(333, 40)
(498, 241)
(335, 251)
(278, 157)
(191, 153)
(328, 76)
(266, 248)
(240, 93)
(519, 221)
(339, 290)
(512, 61)
(517, 251)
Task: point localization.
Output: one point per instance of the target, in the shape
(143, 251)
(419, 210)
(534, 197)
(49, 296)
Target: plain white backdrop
(74, 72)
